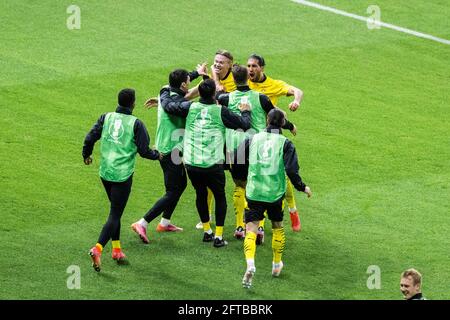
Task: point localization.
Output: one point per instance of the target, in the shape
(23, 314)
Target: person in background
(411, 285)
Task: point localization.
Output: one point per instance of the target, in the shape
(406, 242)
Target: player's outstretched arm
(151, 103)
(298, 97)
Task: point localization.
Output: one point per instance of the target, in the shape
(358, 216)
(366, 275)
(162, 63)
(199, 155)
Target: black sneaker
(208, 237)
(219, 243)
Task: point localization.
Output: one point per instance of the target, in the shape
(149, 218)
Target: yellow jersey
(271, 88)
(228, 82)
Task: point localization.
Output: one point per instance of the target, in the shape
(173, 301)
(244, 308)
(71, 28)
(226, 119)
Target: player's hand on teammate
(245, 106)
(294, 105)
(88, 161)
(308, 191)
(151, 103)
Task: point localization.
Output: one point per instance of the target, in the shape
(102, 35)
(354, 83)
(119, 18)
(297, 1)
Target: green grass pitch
(373, 144)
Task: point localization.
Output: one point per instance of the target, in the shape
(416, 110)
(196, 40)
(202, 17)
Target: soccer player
(260, 107)
(221, 71)
(274, 89)
(203, 151)
(169, 144)
(122, 136)
(270, 157)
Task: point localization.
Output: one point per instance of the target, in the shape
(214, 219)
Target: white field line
(370, 20)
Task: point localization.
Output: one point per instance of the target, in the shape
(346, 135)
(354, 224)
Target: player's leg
(253, 215)
(293, 213)
(239, 173)
(172, 177)
(175, 181)
(140, 227)
(96, 251)
(210, 204)
(275, 213)
(216, 182)
(260, 233)
(198, 180)
(240, 204)
(120, 193)
(210, 209)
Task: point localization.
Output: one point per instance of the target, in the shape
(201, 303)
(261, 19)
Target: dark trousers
(118, 193)
(214, 179)
(175, 182)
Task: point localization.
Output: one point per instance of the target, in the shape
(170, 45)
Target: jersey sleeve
(280, 88)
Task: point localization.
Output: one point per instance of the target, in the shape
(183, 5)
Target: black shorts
(239, 171)
(256, 210)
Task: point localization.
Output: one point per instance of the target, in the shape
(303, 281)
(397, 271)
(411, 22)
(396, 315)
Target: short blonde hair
(225, 53)
(414, 274)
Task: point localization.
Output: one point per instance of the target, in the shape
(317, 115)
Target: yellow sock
(116, 244)
(210, 201)
(290, 198)
(250, 245)
(219, 231)
(278, 242)
(239, 205)
(245, 208)
(206, 226)
(99, 247)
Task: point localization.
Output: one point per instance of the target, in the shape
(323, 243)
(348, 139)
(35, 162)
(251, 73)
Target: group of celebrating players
(235, 125)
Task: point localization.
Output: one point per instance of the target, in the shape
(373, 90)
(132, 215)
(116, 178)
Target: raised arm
(202, 70)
